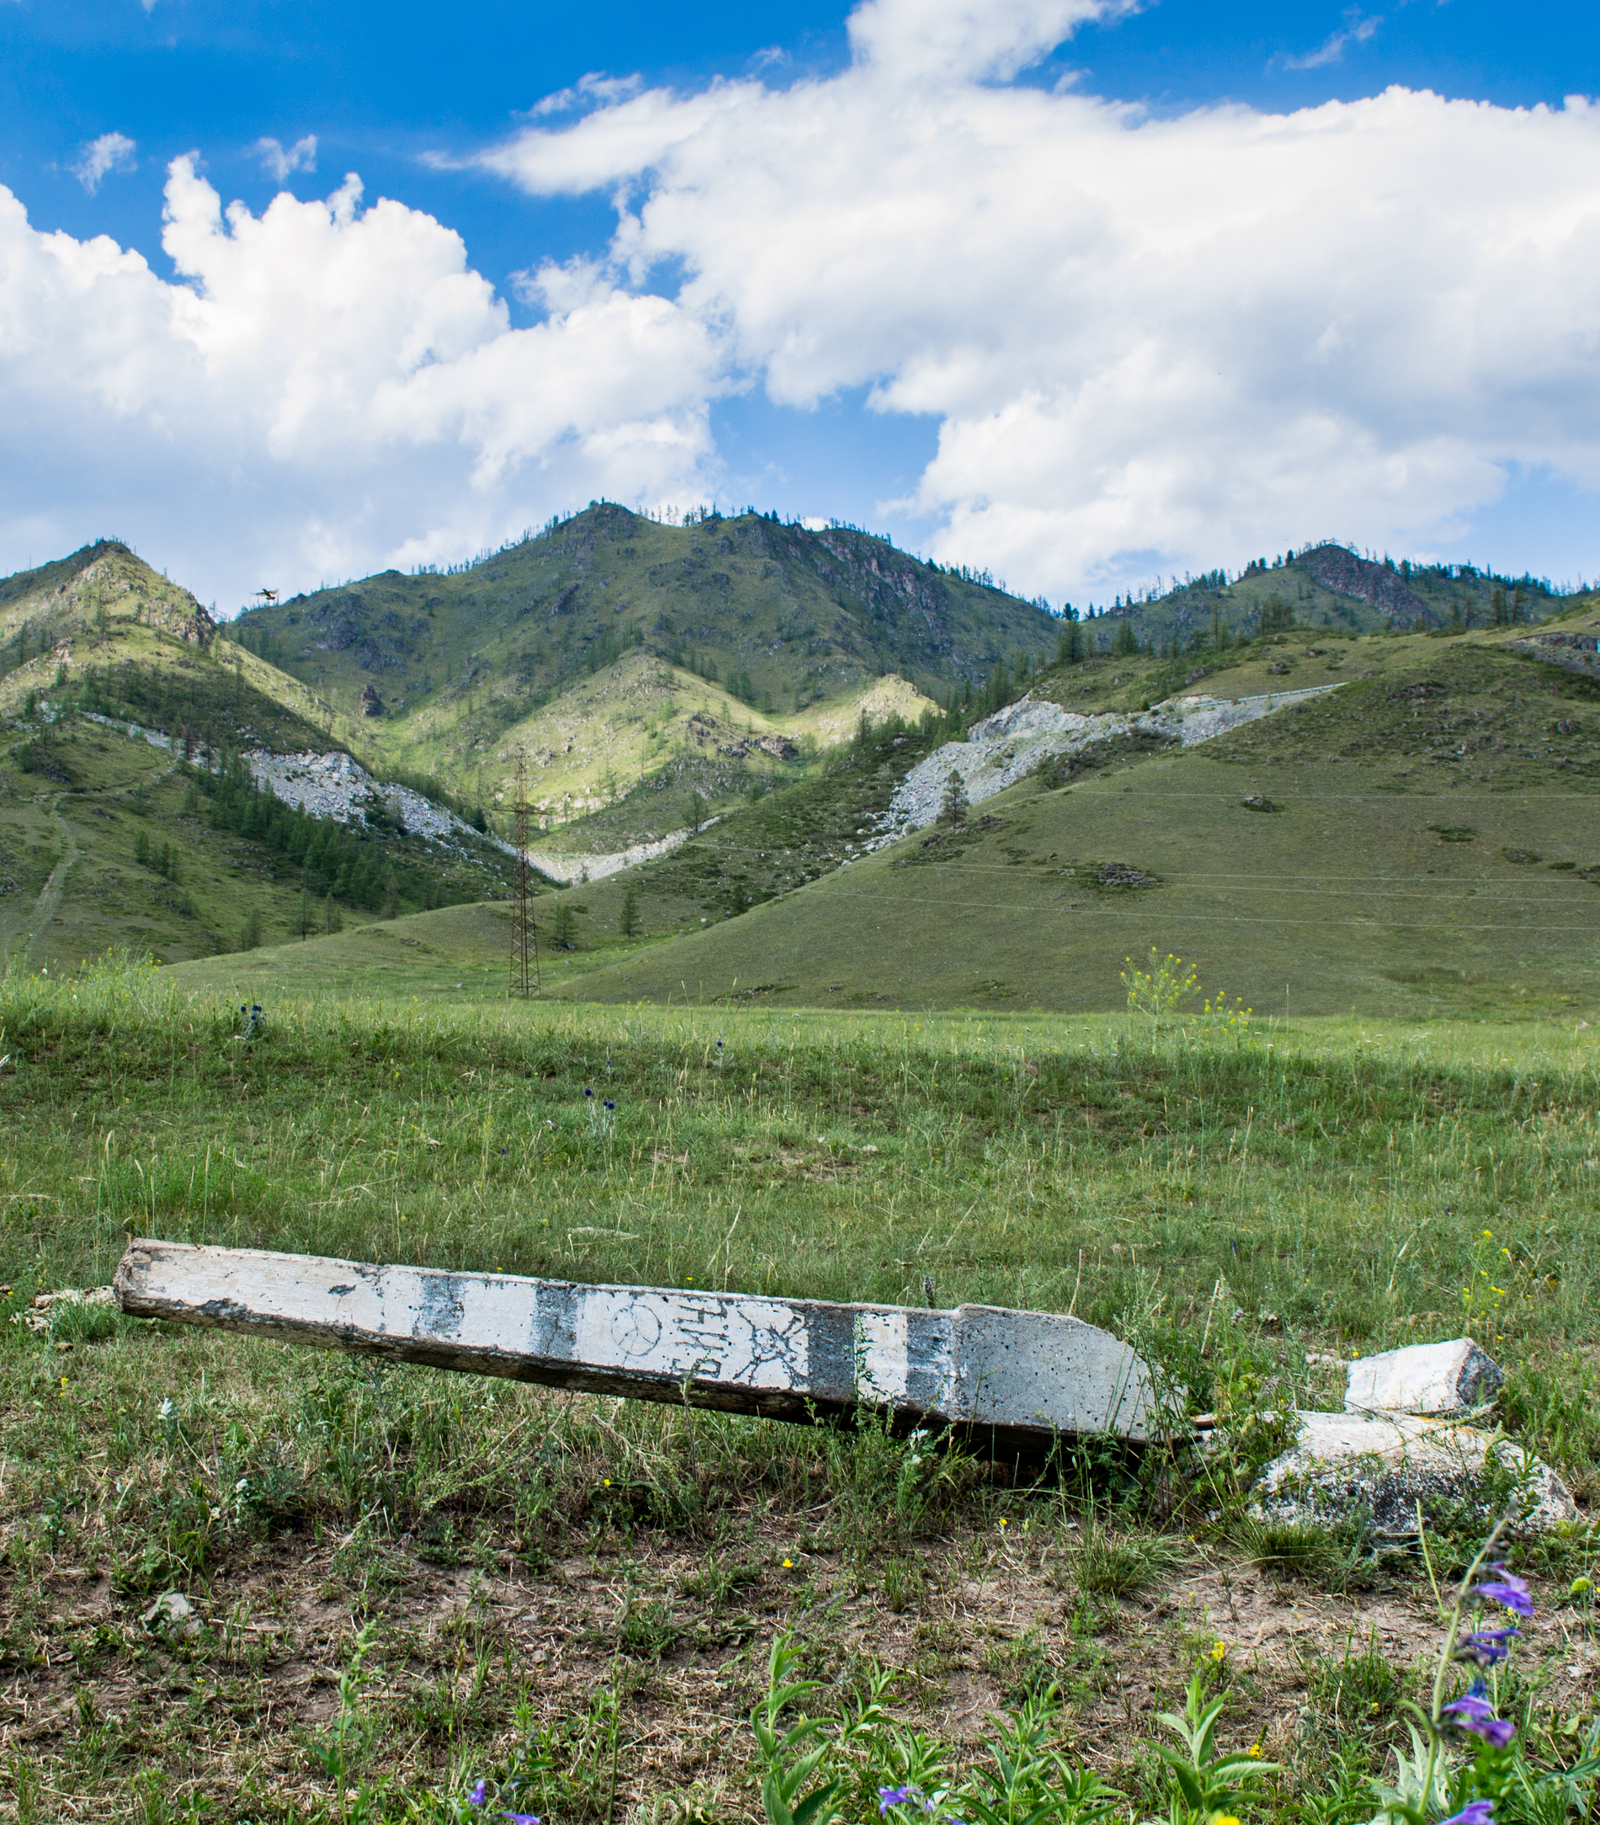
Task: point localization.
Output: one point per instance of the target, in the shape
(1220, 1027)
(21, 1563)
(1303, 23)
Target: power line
(524, 933)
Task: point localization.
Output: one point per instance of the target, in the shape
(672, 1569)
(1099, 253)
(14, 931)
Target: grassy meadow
(401, 1582)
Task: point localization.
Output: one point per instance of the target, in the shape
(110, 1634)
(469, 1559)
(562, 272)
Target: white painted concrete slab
(1030, 1374)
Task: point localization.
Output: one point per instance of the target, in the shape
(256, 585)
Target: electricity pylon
(524, 973)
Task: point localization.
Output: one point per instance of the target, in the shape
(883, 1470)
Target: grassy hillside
(784, 837)
(107, 841)
(1431, 847)
(768, 619)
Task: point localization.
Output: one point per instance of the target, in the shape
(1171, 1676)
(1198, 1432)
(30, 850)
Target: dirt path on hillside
(21, 940)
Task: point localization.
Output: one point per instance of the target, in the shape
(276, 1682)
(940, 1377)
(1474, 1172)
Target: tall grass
(1338, 1182)
(545, 1575)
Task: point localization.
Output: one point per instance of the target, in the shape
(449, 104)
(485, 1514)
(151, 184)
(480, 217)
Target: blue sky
(385, 91)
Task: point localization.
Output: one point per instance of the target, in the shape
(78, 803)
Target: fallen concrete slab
(1424, 1378)
(1023, 1375)
(1378, 1467)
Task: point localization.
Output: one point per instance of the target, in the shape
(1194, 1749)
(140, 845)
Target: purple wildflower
(1473, 1714)
(608, 1104)
(477, 1795)
(521, 1818)
(1508, 1589)
(1475, 1812)
(1486, 1646)
(587, 1091)
(893, 1796)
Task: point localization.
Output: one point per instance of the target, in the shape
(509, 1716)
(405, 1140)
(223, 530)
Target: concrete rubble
(40, 1312)
(1348, 1465)
(1434, 1378)
(1395, 1446)
(173, 1614)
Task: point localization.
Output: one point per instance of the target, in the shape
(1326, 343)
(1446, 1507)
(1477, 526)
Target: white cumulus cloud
(1150, 344)
(327, 388)
(110, 152)
(278, 160)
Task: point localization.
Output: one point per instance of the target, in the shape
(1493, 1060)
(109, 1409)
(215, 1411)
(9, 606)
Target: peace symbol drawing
(636, 1330)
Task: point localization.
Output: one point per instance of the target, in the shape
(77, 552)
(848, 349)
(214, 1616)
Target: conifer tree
(953, 807)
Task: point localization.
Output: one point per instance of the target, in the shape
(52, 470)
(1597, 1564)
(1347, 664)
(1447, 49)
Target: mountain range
(762, 683)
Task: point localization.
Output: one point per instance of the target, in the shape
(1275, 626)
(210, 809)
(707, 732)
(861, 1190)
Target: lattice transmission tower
(524, 972)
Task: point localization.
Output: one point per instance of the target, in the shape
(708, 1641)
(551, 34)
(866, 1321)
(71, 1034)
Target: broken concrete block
(1346, 1465)
(1435, 1378)
(1027, 1375)
(173, 1614)
(41, 1314)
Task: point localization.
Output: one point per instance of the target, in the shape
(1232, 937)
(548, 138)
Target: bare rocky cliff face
(1375, 584)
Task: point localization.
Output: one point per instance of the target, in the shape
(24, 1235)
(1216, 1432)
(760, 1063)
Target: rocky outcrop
(573, 866)
(1375, 584)
(337, 786)
(1572, 652)
(1019, 739)
(745, 745)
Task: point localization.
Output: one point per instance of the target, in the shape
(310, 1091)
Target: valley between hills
(719, 725)
(846, 865)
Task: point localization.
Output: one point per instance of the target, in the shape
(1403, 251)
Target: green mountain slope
(108, 837)
(1331, 587)
(1428, 844)
(104, 620)
(106, 840)
(642, 692)
(461, 670)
